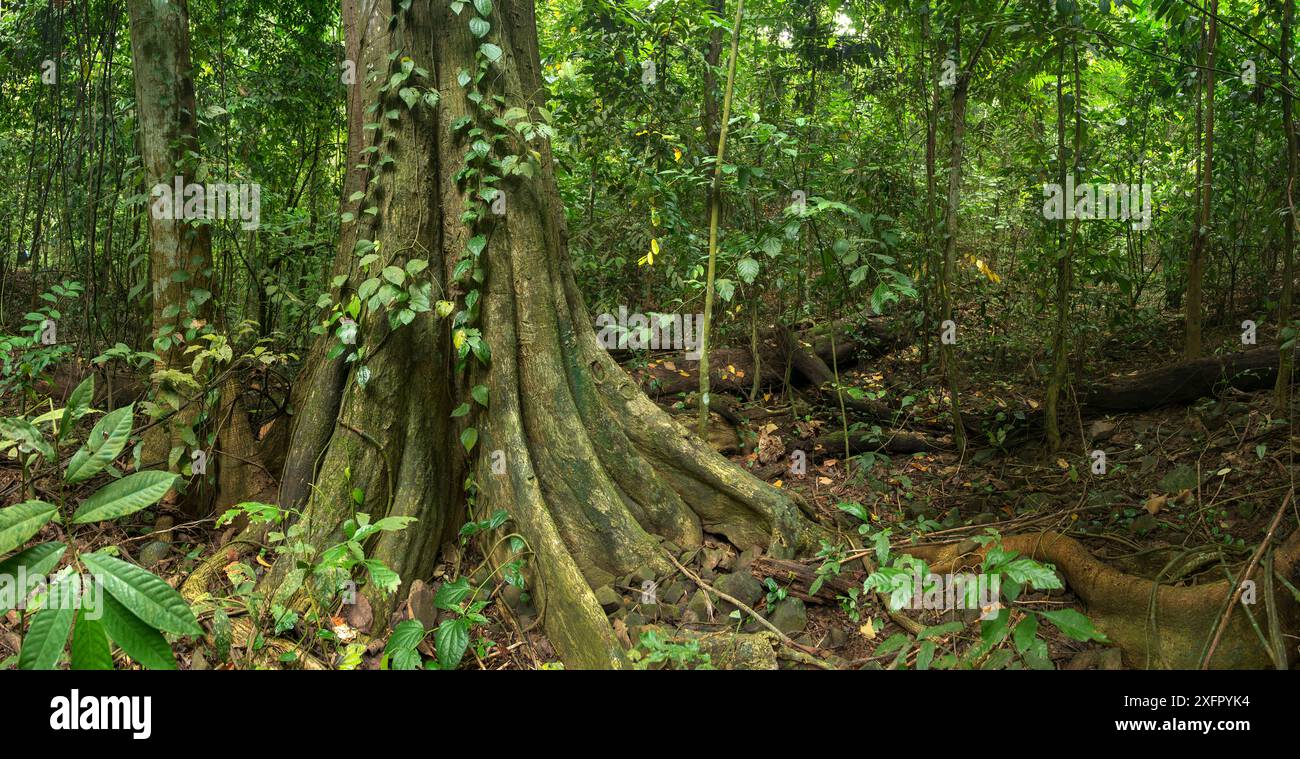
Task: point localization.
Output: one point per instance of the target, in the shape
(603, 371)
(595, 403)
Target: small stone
(984, 517)
(154, 552)
(198, 661)
(744, 587)
(699, 606)
(163, 526)
(1180, 478)
(838, 636)
(419, 604)
(673, 592)
(1111, 658)
(790, 615)
(512, 595)
(643, 574)
(634, 620)
(608, 599)
(1144, 524)
(745, 559)
(1101, 431)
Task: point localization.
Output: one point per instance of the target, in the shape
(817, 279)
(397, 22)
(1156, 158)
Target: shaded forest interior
(502, 334)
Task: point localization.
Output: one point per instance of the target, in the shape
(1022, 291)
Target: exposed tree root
(1157, 626)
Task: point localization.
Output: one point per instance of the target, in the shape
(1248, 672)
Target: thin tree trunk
(715, 203)
(1286, 357)
(1196, 264)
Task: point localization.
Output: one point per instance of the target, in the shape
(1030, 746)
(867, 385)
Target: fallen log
(1183, 382)
(731, 370)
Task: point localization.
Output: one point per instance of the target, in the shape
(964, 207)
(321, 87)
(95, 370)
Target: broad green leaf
(78, 405)
(450, 594)
(484, 7)
(925, 654)
(490, 51)
(406, 635)
(747, 269)
(451, 639)
(106, 441)
(1025, 633)
(90, 644)
(1074, 624)
(27, 436)
(34, 562)
(20, 522)
(144, 594)
(404, 658)
(140, 641)
(48, 632)
(125, 496)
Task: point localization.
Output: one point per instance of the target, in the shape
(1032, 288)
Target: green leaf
(125, 496)
(27, 436)
(460, 410)
(106, 441)
(747, 268)
(47, 634)
(18, 523)
(490, 51)
(78, 405)
(484, 7)
(406, 635)
(405, 658)
(381, 576)
(90, 644)
(451, 639)
(34, 562)
(409, 95)
(140, 641)
(468, 438)
(925, 655)
(1074, 624)
(943, 629)
(480, 394)
(479, 28)
(144, 594)
(1025, 633)
(450, 594)
(394, 274)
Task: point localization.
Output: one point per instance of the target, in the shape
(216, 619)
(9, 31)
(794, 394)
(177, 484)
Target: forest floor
(1177, 478)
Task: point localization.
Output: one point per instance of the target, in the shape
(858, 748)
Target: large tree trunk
(180, 251)
(595, 474)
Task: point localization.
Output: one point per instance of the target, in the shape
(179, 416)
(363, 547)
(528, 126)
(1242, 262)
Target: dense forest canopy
(654, 333)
